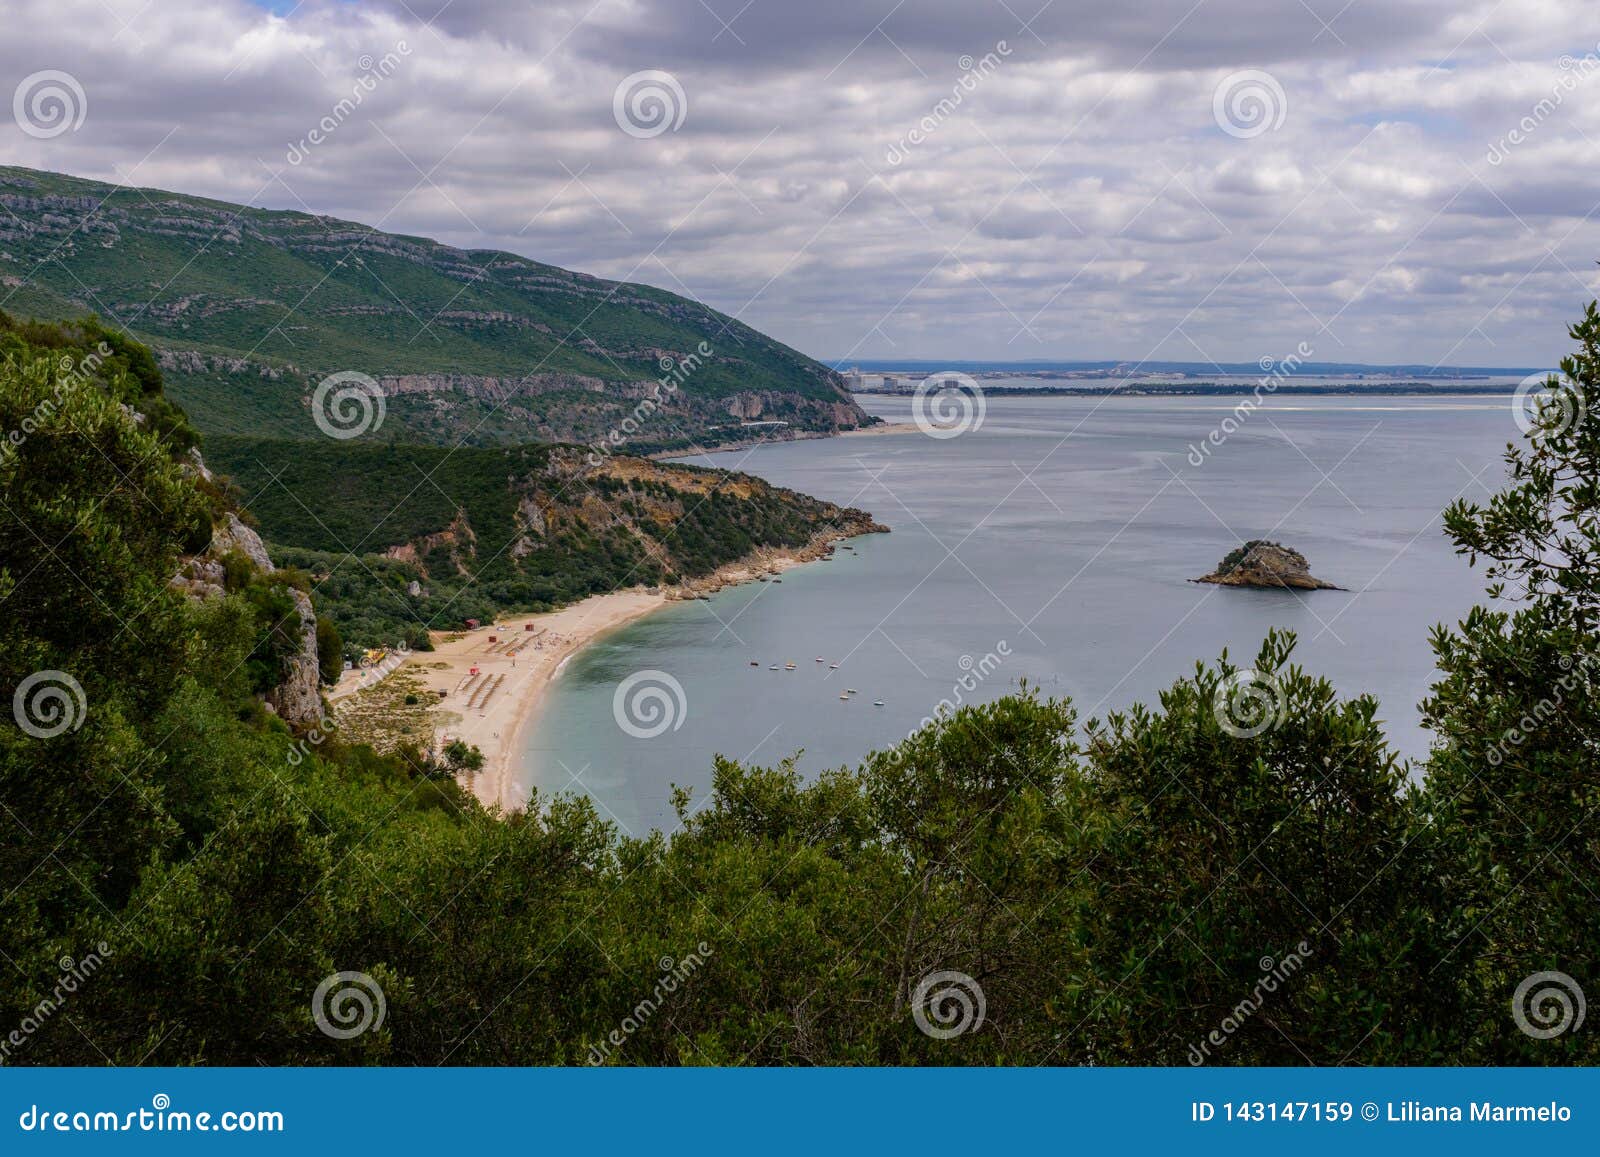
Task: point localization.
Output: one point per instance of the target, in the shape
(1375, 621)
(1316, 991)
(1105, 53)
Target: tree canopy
(1242, 872)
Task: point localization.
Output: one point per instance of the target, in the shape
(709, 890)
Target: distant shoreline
(1230, 390)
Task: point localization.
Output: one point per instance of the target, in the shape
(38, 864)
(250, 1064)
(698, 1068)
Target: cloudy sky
(1383, 180)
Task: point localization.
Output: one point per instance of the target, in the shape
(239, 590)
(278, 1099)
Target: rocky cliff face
(235, 535)
(202, 575)
(298, 699)
(1266, 564)
(583, 409)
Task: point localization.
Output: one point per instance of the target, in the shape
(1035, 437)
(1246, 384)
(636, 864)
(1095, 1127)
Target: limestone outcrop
(298, 698)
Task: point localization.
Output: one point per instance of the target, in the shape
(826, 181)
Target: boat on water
(788, 666)
(820, 659)
(755, 662)
(844, 696)
(774, 667)
(877, 702)
(833, 666)
(849, 690)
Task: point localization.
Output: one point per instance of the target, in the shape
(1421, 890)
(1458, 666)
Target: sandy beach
(492, 681)
(881, 429)
(494, 678)
(514, 662)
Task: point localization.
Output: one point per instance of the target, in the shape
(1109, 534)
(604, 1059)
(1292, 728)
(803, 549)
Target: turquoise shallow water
(1052, 544)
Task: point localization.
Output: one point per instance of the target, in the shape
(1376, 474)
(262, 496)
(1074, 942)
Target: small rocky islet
(1259, 563)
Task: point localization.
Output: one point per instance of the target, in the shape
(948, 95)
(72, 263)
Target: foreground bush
(1242, 873)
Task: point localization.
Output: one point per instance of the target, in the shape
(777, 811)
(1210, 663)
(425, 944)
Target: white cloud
(1079, 200)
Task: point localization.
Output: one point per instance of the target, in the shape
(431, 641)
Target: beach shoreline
(515, 661)
(881, 429)
(495, 679)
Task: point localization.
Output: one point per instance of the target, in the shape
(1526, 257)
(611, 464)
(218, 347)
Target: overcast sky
(1171, 179)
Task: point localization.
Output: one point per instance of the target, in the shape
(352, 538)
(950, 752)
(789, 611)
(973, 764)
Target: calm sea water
(1052, 544)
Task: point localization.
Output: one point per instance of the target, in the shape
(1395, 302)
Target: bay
(1053, 543)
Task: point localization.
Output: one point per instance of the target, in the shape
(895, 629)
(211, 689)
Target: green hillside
(402, 539)
(250, 308)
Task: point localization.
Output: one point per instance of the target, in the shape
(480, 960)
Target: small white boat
(877, 702)
(833, 666)
(820, 659)
(788, 666)
(849, 690)
(844, 696)
(774, 667)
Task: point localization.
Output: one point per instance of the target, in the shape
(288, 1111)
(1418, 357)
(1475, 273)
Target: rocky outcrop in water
(1259, 563)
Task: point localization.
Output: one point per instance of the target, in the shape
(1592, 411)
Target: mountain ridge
(249, 307)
